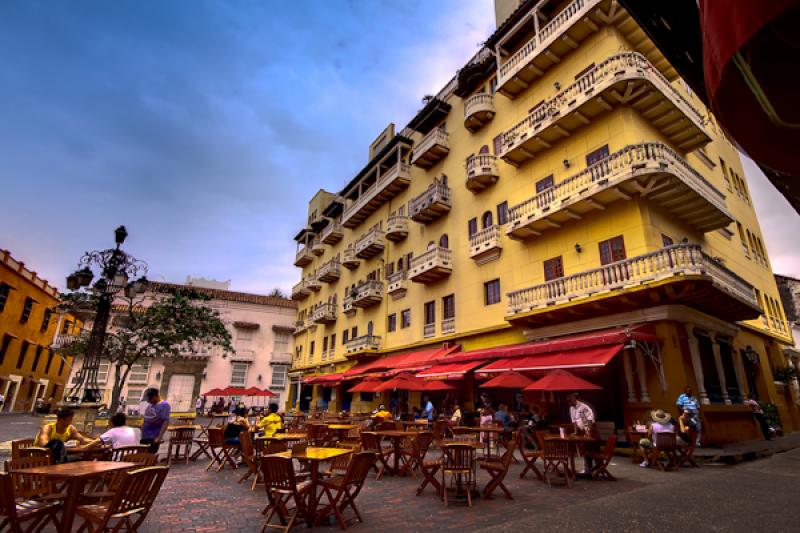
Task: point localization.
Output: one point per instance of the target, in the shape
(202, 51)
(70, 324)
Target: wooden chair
(16, 513)
(33, 451)
(687, 451)
(28, 486)
(282, 488)
(371, 443)
(428, 468)
(603, 458)
(130, 504)
(250, 458)
(417, 449)
(20, 444)
(339, 465)
(667, 444)
(122, 453)
(180, 437)
(114, 481)
(221, 452)
(497, 470)
(342, 490)
(457, 462)
(464, 434)
(556, 458)
(530, 457)
(318, 435)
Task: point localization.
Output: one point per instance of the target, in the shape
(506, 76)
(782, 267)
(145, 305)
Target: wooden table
(314, 456)
(288, 438)
(88, 454)
(185, 419)
(575, 441)
(415, 423)
(211, 419)
(75, 476)
(342, 429)
(492, 431)
(397, 438)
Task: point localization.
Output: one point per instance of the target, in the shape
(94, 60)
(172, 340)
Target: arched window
(486, 219)
(369, 327)
(444, 242)
(444, 179)
(400, 264)
(431, 246)
(484, 149)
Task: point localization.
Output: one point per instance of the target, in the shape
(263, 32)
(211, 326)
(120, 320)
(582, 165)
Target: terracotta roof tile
(231, 296)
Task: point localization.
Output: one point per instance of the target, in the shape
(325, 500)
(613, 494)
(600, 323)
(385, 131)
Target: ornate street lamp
(115, 267)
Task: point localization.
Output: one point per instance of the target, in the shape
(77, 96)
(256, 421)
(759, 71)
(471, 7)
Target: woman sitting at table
(456, 417)
(236, 426)
(55, 435)
(271, 423)
(662, 423)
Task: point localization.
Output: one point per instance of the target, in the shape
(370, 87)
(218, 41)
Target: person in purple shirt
(156, 419)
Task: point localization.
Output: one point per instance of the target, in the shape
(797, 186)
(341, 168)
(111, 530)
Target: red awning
(508, 380)
(368, 385)
(402, 382)
(561, 380)
(450, 370)
(402, 361)
(326, 379)
(585, 358)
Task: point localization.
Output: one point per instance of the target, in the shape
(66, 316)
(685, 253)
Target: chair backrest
(665, 441)
(142, 459)
(33, 451)
(27, 485)
(464, 434)
(278, 473)
(457, 457)
(274, 447)
(370, 441)
(540, 435)
(386, 425)
(8, 505)
(216, 436)
(121, 453)
(358, 468)
(438, 430)
(611, 445)
(509, 455)
(556, 450)
(137, 492)
(19, 444)
(423, 441)
(246, 444)
(181, 435)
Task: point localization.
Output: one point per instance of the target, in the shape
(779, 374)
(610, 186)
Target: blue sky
(205, 127)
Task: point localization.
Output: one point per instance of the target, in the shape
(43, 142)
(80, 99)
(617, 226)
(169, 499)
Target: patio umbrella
(232, 391)
(367, 385)
(508, 380)
(561, 380)
(403, 382)
(214, 392)
(251, 391)
(437, 386)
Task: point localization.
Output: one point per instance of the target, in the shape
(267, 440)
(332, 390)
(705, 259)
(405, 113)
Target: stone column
(642, 373)
(720, 370)
(738, 366)
(694, 352)
(626, 359)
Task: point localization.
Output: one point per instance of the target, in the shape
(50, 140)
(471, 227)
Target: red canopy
(431, 385)
(508, 380)
(232, 391)
(367, 385)
(326, 379)
(265, 393)
(251, 391)
(214, 392)
(402, 382)
(585, 358)
(450, 370)
(402, 361)
(561, 380)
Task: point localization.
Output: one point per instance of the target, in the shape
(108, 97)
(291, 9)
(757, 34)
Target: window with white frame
(239, 373)
(134, 395)
(279, 373)
(139, 373)
(281, 342)
(102, 374)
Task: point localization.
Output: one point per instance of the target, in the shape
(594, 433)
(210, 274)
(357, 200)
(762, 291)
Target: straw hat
(660, 416)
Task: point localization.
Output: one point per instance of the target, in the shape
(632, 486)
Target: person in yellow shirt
(383, 413)
(272, 422)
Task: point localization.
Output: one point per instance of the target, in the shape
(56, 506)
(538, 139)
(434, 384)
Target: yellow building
(567, 186)
(29, 324)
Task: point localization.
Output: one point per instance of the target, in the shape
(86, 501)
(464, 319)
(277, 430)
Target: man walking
(688, 402)
(156, 419)
(582, 415)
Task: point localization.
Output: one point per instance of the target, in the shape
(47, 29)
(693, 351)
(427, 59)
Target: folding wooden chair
(180, 437)
(529, 457)
(428, 469)
(666, 443)
(221, 452)
(20, 444)
(498, 470)
(28, 486)
(16, 513)
(556, 459)
(129, 506)
(122, 453)
(603, 458)
(457, 462)
(114, 481)
(250, 458)
(417, 449)
(687, 451)
(33, 451)
(346, 489)
(318, 435)
(371, 443)
(339, 465)
(282, 488)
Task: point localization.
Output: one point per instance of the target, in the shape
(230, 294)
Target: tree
(175, 324)
(277, 293)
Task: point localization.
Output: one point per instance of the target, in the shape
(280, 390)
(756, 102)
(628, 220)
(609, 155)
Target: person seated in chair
(271, 423)
(661, 423)
(383, 413)
(55, 435)
(120, 434)
(236, 426)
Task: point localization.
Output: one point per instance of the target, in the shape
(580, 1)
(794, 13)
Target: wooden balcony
(364, 343)
(366, 294)
(431, 149)
(299, 327)
(478, 111)
(330, 271)
(397, 228)
(650, 170)
(679, 274)
(333, 233)
(317, 247)
(371, 244)
(349, 259)
(387, 185)
(348, 308)
(448, 326)
(432, 266)
(397, 284)
(482, 172)
(314, 284)
(624, 79)
(563, 33)
(486, 245)
(324, 313)
(303, 257)
(301, 291)
(431, 204)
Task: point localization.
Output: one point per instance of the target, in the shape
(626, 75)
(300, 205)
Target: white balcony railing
(332, 233)
(431, 204)
(397, 284)
(486, 244)
(371, 243)
(478, 110)
(330, 271)
(364, 342)
(429, 330)
(366, 294)
(448, 326)
(400, 171)
(432, 265)
(397, 228)
(433, 147)
(324, 313)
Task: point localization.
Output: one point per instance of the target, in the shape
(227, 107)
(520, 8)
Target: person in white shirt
(120, 435)
(582, 415)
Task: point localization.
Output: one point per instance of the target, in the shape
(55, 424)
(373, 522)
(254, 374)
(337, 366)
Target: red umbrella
(508, 380)
(251, 391)
(232, 391)
(437, 386)
(215, 392)
(367, 385)
(403, 382)
(561, 380)
(265, 393)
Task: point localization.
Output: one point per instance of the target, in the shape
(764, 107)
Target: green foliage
(771, 414)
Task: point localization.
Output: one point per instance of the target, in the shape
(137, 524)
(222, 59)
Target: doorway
(179, 393)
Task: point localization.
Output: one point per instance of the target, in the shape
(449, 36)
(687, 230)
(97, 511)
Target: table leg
(312, 496)
(74, 489)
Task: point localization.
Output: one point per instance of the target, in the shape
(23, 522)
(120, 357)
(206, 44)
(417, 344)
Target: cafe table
(288, 438)
(342, 429)
(493, 433)
(313, 456)
(416, 424)
(575, 442)
(74, 476)
(397, 437)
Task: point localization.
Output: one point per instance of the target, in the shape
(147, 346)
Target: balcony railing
(301, 291)
(63, 340)
(431, 204)
(330, 271)
(299, 326)
(669, 262)
(313, 283)
(281, 358)
(448, 326)
(303, 256)
(349, 259)
(386, 186)
(478, 111)
(397, 228)
(317, 247)
(324, 313)
(371, 244)
(429, 330)
(363, 343)
(332, 233)
(482, 172)
(652, 170)
(366, 294)
(626, 78)
(431, 149)
(397, 284)
(486, 245)
(431, 266)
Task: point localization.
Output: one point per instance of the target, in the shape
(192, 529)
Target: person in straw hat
(661, 423)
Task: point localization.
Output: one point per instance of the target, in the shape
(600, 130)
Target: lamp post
(116, 269)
